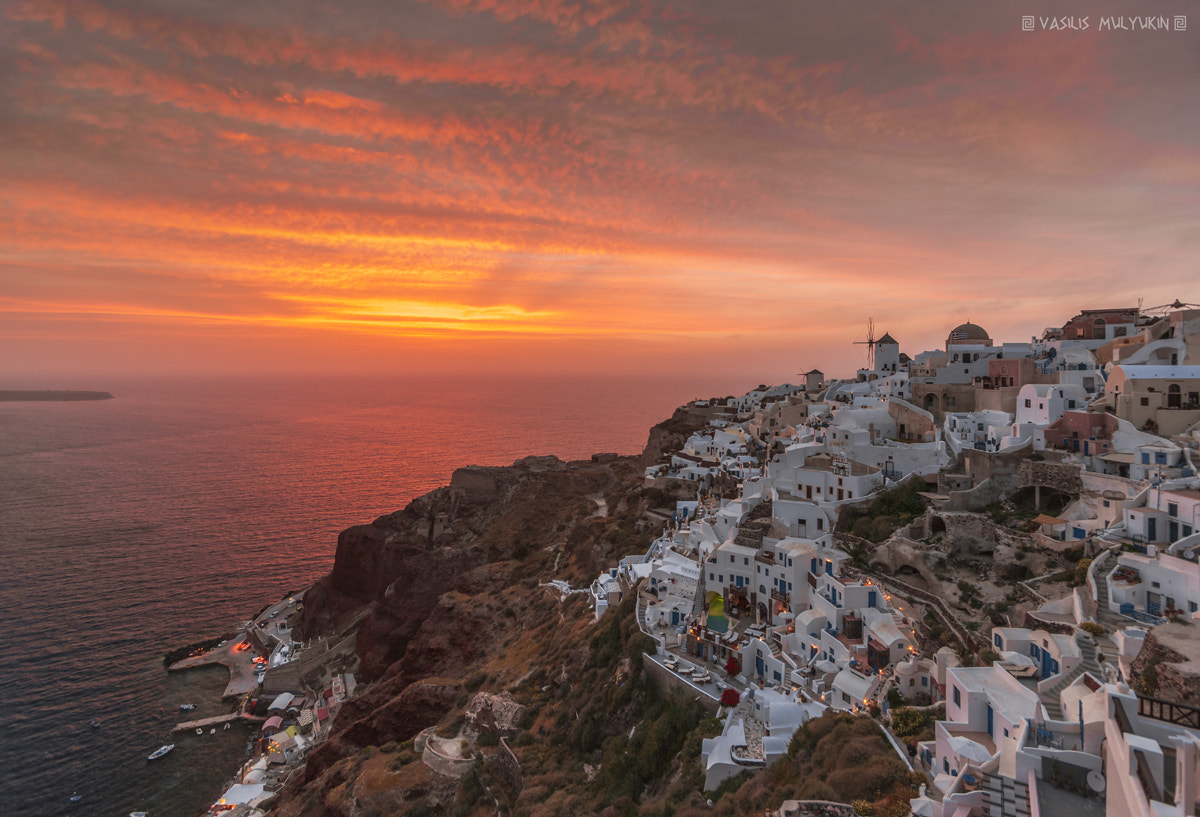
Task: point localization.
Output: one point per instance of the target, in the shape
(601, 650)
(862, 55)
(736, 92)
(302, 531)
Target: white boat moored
(160, 751)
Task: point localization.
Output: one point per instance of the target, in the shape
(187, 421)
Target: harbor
(269, 678)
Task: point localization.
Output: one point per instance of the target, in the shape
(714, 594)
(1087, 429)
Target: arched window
(1174, 396)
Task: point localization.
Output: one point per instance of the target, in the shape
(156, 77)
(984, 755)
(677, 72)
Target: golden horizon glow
(549, 184)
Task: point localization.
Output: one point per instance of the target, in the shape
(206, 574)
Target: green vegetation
(1081, 571)
(839, 757)
(1147, 681)
(878, 519)
(913, 723)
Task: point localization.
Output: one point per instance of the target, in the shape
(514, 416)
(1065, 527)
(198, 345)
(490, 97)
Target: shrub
(1147, 682)
(909, 722)
(1093, 628)
(730, 697)
(1081, 570)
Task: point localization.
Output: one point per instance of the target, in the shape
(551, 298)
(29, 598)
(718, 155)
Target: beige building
(1161, 399)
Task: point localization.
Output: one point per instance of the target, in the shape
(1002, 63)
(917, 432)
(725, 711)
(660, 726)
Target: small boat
(187, 707)
(212, 731)
(75, 798)
(160, 751)
(199, 731)
(226, 724)
(137, 814)
(95, 723)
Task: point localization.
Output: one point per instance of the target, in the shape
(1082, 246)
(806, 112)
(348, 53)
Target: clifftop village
(991, 547)
(996, 540)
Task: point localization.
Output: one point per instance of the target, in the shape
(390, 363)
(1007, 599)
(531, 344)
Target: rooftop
(1136, 372)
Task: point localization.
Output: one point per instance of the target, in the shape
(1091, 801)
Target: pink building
(1086, 432)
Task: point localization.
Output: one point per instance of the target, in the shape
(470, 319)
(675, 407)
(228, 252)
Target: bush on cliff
(878, 519)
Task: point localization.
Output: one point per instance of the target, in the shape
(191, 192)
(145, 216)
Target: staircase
(698, 602)
(1105, 616)
(1051, 698)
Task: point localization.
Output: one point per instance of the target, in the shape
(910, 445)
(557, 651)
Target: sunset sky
(553, 185)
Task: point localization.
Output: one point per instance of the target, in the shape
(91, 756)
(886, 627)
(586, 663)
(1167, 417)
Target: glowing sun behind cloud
(529, 186)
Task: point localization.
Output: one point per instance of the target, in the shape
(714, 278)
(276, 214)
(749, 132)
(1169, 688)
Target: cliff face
(391, 574)
(451, 587)
(1164, 667)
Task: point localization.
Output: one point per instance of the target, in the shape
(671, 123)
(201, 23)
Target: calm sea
(132, 526)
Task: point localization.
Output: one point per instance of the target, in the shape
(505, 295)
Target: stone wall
(989, 491)
(1178, 678)
(506, 764)
(320, 654)
(982, 465)
(283, 678)
(441, 762)
(1064, 477)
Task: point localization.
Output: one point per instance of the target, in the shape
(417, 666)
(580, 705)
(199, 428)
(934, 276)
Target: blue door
(871, 598)
(1049, 665)
(674, 617)
(758, 663)
(1152, 529)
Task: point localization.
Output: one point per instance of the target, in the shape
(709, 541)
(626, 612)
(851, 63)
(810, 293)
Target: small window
(1107, 503)
(1155, 585)
(746, 559)
(957, 697)
(1172, 509)
(1028, 404)
(1145, 401)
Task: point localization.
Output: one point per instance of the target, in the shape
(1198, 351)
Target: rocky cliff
(450, 601)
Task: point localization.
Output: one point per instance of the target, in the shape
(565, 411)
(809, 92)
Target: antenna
(869, 343)
(1177, 304)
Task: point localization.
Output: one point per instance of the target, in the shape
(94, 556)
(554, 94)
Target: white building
(1152, 767)
(1041, 404)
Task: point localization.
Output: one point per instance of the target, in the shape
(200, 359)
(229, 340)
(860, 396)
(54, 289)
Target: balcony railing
(783, 598)
(1169, 711)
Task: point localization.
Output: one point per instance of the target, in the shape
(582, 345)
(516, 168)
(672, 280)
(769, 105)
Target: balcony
(782, 598)
(1169, 712)
(765, 557)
